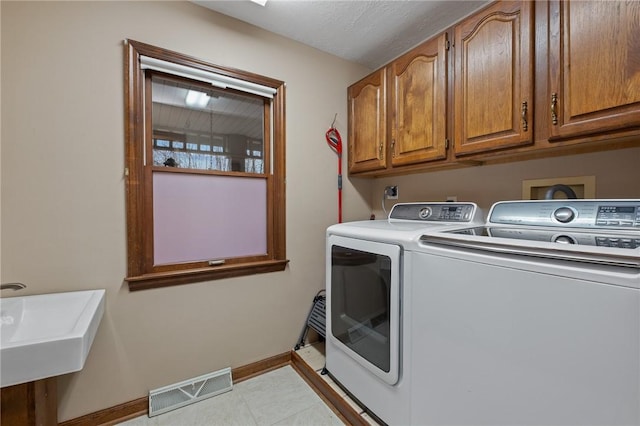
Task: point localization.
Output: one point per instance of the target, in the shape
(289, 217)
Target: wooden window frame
(141, 273)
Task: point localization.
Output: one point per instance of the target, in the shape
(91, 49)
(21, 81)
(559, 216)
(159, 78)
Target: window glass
(199, 121)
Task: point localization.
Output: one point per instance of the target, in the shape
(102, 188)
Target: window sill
(166, 279)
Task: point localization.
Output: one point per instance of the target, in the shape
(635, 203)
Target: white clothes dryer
(368, 318)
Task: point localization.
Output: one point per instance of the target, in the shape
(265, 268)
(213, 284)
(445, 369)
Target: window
(205, 170)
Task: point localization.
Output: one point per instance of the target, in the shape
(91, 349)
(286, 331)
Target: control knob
(564, 214)
(424, 212)
(564, 239)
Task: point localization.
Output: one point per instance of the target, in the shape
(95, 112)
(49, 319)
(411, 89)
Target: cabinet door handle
(393, 147)
(554, 108)
(380, 154)
(525, 125)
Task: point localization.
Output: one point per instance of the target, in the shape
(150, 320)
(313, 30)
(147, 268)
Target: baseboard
(139, 407)
(112, 415)
(260, 367)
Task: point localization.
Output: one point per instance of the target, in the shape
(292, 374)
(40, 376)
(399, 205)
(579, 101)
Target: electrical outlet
(391, 192)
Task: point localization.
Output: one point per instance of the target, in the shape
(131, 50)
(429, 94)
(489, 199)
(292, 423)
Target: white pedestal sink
(47, 335)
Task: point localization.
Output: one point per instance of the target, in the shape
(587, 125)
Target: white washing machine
(368, 317)
(532, 319)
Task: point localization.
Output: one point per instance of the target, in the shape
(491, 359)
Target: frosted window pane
(205, 217)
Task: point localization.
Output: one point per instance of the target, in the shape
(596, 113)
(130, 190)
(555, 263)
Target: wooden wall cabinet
(594, 67)
(398, 114)
(584, 95)
(367, 102)
(418, 104)
(493, 72)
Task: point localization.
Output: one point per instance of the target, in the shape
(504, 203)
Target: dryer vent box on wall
(189, 391)
(583, 187)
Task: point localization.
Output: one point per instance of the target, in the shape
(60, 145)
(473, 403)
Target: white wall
(63, 199)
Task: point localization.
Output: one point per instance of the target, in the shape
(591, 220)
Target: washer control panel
(592, 214)
(624, 216)
(567, 237)
(626, 240)
(434, 212)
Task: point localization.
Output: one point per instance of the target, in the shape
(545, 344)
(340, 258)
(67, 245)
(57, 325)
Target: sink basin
(47, 334)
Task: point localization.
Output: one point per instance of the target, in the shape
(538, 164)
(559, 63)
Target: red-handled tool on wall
(335, 142)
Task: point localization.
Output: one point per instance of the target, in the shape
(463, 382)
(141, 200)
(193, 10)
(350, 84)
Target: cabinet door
(418, 90)
(594, 62)
(368, 123)
(493, 91)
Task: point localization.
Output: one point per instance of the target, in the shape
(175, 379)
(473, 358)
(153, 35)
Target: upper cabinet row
(515, 79)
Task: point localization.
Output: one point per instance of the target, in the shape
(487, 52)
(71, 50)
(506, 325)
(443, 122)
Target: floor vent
(193, 390)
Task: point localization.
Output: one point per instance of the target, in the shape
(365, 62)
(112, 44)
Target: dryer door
(364, 304)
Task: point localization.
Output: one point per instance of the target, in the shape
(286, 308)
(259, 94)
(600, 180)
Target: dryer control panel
(591, 214)
(434, 212)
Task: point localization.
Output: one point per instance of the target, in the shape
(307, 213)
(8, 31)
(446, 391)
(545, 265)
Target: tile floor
(280, 397)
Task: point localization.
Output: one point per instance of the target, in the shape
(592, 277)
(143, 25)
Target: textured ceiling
(370, 33)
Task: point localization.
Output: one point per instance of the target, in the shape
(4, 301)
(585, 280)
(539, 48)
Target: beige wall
(63, 209)
(617, 175)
